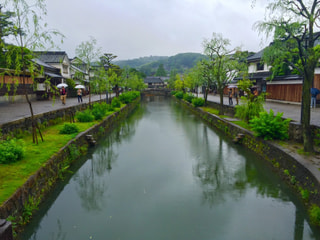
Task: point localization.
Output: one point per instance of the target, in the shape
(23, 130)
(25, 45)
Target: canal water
(165, 174)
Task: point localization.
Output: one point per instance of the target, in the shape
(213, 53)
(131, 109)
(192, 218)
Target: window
(260, 66)
(65, 69)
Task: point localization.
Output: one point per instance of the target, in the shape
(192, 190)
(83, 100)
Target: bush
(11, 150)
(188, 97)
(115, 103)
(179, 95)
(249, 108)
(128, 97)
(173, 93)
(99, 110)
(69, 128)
(85, 116)
(314, 213)
(269, 126)
(198, 102)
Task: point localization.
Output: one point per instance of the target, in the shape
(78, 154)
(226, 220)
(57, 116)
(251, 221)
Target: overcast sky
(138, 28)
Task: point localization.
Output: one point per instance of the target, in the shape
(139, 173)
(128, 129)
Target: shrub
(69, 128)
(11, 150)
(198, 102)
(115, 103)
(314, 213)
(85, 116)
(269, 126)
(99, 110)
(179, 95)
(188, 97)
(128, 97)
(249, 108)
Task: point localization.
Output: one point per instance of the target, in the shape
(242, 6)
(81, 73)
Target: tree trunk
(221, 112)
(305, 112)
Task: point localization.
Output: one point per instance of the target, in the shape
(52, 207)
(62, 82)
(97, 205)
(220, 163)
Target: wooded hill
(149, 65)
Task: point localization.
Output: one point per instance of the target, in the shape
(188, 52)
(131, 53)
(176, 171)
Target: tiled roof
(51, 56)
(153, 80)
(255, 57)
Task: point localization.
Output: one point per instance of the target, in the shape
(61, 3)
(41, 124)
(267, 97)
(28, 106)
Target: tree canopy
(292, 24)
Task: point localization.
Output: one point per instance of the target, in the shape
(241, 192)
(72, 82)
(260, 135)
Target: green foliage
(160, 71)
(173, 92)
(115, 103)
(179, 95)
(69, 128)
(188, 97)
(11, 150)
(249, 108)
(85, 116)
(128, 97)
(305, 194)
(198, 102)
(269, 126)
(74, 152)
(99, 110)
(314, 213)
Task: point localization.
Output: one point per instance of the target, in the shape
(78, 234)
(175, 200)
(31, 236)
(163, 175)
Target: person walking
(79, 94)
(63, 95)
(314, 92)
(236, 95)
(230, 97)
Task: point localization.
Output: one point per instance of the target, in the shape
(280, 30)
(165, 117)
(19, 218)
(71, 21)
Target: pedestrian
(63, 95)
(313, 100)
(79, 94)
(230, 97)
(236, 96)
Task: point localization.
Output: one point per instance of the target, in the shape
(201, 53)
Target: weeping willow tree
(292, 25)
(29, 33)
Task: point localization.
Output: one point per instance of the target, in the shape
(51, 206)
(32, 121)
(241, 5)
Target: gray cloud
(137, 28)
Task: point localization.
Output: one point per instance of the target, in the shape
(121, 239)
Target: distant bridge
(155, 92)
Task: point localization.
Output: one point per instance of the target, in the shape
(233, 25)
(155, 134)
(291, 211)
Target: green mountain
(149, 65)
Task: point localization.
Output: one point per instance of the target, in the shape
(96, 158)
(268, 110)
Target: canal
(164, 174)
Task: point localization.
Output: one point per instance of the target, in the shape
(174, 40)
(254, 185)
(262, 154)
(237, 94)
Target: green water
(164, 174)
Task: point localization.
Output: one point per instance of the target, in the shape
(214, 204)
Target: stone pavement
(17, 110)
(14, 111)
(289, 110)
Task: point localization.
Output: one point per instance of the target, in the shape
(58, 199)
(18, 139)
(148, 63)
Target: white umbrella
(232, 86)
(60, 85)
(79, 86)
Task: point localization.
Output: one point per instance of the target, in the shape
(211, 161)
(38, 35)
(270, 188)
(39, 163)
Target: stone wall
(39, 184)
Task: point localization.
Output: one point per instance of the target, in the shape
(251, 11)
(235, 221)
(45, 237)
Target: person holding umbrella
(79, 94)
(314, 92)
(63, 95)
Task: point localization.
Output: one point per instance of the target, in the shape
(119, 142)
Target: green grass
(211, 110)
(242, 124)
(14, 175)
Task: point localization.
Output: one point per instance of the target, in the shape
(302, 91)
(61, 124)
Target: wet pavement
(17, 110)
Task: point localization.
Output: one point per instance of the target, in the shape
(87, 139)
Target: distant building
(57, 59)
(154, 82)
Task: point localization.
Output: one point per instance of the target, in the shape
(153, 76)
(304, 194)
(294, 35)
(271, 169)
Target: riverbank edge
(301, 175)
(41, 182)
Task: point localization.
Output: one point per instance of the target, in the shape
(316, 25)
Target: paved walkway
(17, 110)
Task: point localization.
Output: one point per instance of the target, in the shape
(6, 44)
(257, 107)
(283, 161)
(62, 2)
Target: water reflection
(92, 184)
